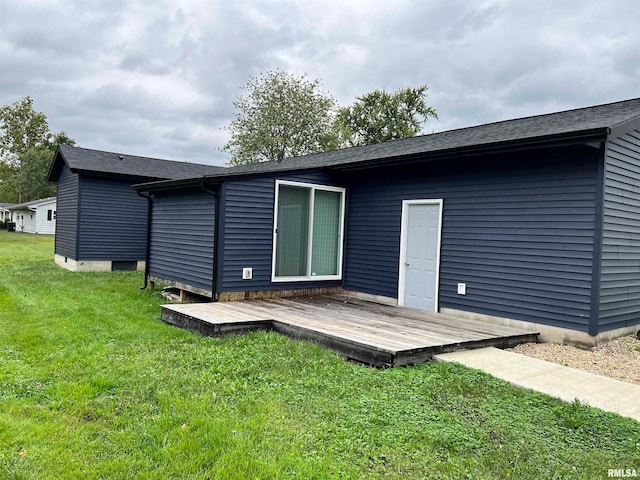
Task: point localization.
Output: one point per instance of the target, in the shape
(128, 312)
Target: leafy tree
(8, 192)
(280, 116)
(30, 180)
(379, 116)
(60, 138)
(21, 128)
(26, 150)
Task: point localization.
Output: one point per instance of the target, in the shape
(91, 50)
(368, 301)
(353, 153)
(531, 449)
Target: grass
(93, 385)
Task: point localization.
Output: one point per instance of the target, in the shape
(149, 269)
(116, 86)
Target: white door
(420, 254)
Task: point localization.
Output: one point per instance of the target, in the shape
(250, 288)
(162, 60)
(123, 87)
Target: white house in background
(37, 216)
(5, 213)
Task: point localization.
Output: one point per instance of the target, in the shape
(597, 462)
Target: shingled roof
(590, 123)
(32, 203)
(84, 160)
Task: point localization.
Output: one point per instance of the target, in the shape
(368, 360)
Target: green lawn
(94, 385)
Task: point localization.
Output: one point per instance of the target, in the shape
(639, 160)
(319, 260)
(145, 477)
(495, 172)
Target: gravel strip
(619, 359)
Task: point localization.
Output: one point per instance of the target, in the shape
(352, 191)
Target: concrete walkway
(553, 379)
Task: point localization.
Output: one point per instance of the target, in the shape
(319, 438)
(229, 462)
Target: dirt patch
(619, 359)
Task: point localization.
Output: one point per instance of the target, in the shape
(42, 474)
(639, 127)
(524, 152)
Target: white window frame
(313, 187)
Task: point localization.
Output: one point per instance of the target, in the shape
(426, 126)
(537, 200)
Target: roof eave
(625, 127)
(216, 179)
(577, 137)
(97, 173)
(167, 185)
(51, 176)
(572, 138)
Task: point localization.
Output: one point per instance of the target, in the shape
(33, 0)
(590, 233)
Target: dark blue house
(532, 222)
(101, 222)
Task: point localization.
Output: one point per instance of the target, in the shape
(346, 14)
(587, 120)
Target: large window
(308, 232)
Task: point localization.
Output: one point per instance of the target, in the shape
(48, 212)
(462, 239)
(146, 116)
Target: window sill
(315, 278)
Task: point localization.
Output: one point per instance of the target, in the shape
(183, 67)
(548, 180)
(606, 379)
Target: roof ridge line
(139, 156)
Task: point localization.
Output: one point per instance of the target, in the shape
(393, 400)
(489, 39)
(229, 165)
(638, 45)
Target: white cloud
(158, 78)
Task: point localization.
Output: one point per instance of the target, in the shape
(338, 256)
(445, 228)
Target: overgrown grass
(93, 385)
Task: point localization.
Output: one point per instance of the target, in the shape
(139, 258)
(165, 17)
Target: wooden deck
(370, 333)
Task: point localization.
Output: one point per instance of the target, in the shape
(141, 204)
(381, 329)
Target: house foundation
(297, 292)
(548, 334)
(97, 265)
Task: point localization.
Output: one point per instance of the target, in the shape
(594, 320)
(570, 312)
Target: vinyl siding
(25, 220)
(517, 230)
(182, 234)
(620, 268)
(67, 214)
(44, 226)
(248, 233)
(112, 220)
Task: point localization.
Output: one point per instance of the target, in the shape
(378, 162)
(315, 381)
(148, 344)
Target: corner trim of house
(598, 227)
(548, 334)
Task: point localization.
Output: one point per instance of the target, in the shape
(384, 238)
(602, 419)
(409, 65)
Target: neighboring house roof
(584, 124)
(31, 204)
(6, 206)
(85, 160)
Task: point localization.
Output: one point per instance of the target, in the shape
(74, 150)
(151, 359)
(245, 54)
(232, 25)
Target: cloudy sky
(157, 78)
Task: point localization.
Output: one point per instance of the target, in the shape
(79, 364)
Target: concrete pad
(516, 368)
(552, 379)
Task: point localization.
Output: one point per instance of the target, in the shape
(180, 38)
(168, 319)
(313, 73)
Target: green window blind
(293, 232)
(326, 232)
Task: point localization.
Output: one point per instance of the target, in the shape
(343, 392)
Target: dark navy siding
(620, 268)
(112, 220)
(518, 231)
(66, 213)
(182, 233)
(248, 233)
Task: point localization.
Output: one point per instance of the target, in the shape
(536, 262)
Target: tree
(379, 116)
(30, 180)
(60, 138)
(21, 128)
(8, 192)
(26, 150)
(280, 116)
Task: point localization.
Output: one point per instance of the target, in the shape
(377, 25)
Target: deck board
(372, 333)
